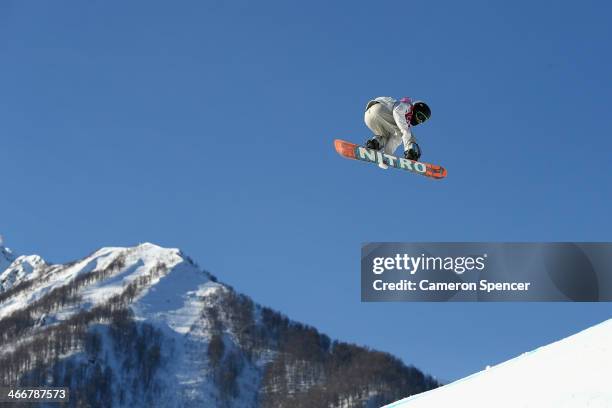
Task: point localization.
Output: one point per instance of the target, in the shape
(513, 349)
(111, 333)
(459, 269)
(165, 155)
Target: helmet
(420, 113)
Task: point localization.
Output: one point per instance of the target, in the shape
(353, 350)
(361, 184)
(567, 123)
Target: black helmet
(420, 113)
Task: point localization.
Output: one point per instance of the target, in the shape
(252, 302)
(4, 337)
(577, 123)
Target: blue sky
(209, 125)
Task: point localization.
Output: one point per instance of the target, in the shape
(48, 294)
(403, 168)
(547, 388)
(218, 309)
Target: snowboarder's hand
(413, 153)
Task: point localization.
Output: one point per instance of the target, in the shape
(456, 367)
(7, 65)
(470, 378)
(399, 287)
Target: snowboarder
(391, 122)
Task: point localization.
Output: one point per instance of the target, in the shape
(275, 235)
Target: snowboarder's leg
(393, 142)
(380, 121)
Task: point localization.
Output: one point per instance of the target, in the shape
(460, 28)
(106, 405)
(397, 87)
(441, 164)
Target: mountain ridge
(144, 322)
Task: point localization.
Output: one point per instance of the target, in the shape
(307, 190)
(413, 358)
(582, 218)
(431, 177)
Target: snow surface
(575, 372)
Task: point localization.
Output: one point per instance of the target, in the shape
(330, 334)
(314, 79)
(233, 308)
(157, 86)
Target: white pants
(381, 122)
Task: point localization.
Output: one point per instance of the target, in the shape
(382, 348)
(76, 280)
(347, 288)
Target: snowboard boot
(373, 144)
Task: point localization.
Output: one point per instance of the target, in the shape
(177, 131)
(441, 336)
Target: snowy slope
(172, 288)
(55, 276)
(575, 372)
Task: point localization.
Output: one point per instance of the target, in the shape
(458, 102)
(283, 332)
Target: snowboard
(356, 152)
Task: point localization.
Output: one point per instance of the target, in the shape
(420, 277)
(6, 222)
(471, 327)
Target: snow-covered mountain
(145, 326)
(575, 372)
(19, 270)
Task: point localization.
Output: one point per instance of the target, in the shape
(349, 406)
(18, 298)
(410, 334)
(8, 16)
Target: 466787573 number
(50, 394)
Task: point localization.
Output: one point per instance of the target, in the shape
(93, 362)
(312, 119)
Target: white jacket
(402, 114)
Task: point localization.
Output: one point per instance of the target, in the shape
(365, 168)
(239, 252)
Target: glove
(414, 153)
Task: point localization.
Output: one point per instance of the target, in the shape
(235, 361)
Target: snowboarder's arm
(402, 113)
